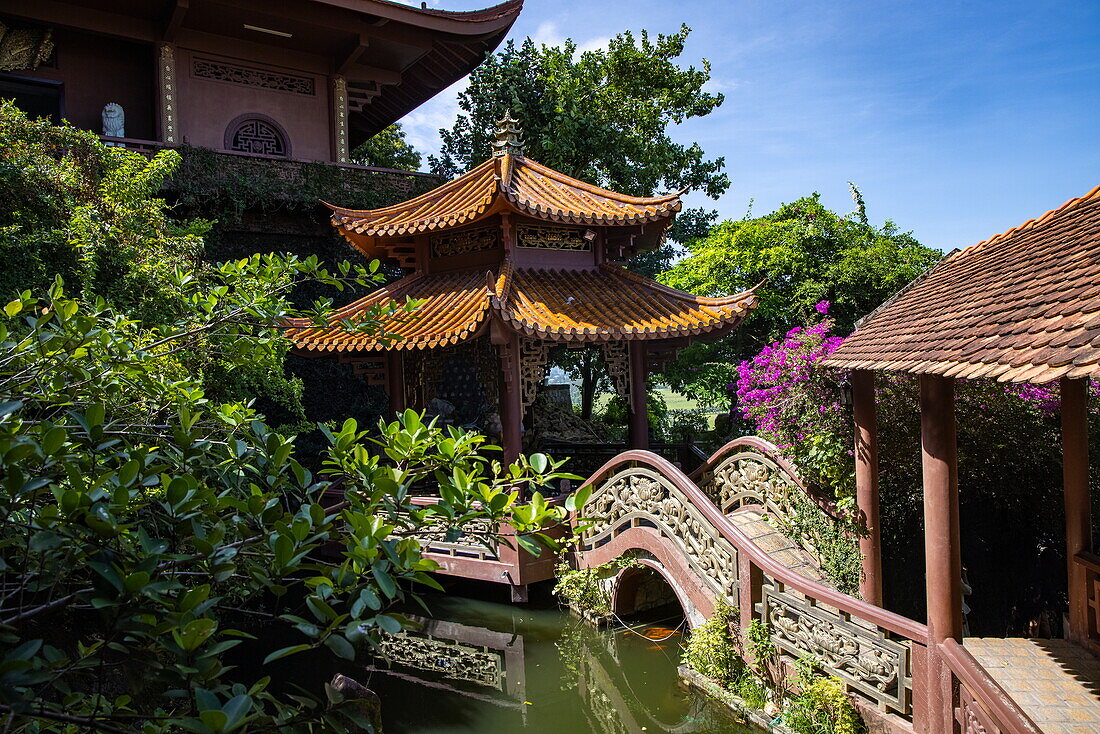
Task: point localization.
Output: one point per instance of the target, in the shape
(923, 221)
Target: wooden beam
(1077, 500)
(97, 21)
(867, 498)
(175, 19)
(357, 48)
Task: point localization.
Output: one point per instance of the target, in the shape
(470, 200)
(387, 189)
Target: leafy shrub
(582, 589)
(823, 707)
(713, 650)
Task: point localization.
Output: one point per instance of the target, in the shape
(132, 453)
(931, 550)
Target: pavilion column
(866, 456)
(511, 399)
(167, 101)
(942, 553)
(1078, 505)
(395, 381)
(639, 415)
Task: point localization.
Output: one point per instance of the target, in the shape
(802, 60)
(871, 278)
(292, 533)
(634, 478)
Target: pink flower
(822, 307)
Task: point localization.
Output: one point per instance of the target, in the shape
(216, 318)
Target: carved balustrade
(874, 652)
(749, 471)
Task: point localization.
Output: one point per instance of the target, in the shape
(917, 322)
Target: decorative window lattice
(542, 237)
(222, 71)
(254, 135)
(464, 241)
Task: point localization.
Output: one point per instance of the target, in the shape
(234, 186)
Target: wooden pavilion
(508, 261)
(1023, 306)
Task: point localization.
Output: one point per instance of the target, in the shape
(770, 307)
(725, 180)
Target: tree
(601, 116)
(802, 255)
(142, 521)
(388, 149)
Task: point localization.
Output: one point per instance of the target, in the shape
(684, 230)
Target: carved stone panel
(642, 497)
(864, 656)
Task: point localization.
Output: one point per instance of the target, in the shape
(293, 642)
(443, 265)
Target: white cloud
(422, 125)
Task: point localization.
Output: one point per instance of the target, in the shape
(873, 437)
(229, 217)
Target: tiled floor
(1055, 681)
(777, 545)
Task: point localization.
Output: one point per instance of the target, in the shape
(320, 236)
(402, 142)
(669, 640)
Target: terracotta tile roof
(455, 306)
(1023, 306)
(607, 303)
(511, 182)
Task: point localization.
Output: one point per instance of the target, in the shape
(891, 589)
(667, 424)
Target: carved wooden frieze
(465, 241)
(533, 354)
(616, 357)
(24, 49)
(548, 237)
(224, 71)
(454, 660)
(864, 656)
(972, 718)
(641, 496)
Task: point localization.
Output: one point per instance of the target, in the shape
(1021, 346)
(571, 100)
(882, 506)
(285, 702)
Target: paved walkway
(1055, 681)
(754, 524)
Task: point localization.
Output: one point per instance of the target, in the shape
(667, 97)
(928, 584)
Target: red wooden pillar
(639, 415)
(395, 381)
(511, 400)
(1075, 482)
(866, 455)
(943, 557)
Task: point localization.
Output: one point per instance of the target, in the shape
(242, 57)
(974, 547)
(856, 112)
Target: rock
(361, 698)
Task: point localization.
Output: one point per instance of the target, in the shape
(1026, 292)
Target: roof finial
(508, 137)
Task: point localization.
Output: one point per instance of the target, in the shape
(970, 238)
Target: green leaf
(286, 652)
(339, 645)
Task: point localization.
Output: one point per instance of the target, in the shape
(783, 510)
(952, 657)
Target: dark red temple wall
(96, 70)
(207, 107)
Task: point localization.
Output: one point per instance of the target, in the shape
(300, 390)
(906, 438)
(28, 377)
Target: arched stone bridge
(730, 531)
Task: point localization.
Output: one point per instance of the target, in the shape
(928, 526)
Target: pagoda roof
(504, 182)
(1023, 306)
(605, 303)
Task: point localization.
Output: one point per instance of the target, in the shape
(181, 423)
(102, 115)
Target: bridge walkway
(1057, 682)
(756, 525)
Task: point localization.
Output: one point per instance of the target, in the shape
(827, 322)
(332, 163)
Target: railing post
(750, 589)
(866, 455)
(943, 559)
(1077, 500)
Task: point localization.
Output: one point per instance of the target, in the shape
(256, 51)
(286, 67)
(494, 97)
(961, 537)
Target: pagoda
(509, 261)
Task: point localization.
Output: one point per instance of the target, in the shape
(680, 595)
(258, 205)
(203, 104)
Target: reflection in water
(490, 668)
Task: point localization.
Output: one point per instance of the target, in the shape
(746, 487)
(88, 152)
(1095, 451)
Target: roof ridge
(594, 189)
(731, 300)
(1094, 193)
(443, 188)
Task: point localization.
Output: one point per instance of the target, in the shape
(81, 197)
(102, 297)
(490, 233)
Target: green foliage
(822, 707)
(141, 519)
(713, 650)
(804, 254)
(582, 589)
(73, 207)
(601, 116)
(387, 149)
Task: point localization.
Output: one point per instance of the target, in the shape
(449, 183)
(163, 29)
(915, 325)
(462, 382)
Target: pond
(487, 668)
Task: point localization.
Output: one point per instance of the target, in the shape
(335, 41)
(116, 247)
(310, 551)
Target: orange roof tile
(454, 307)
(600, 304)
(1023, 306)
(516, 182)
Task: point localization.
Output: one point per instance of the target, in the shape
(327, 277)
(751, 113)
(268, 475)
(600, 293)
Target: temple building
(510, 261)
(301, 79)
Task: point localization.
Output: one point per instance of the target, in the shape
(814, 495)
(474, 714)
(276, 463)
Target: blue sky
(958, 120)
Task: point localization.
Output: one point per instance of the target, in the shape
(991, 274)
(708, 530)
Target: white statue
(114, 120)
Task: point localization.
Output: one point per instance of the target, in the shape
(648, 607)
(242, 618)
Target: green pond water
(487, 668)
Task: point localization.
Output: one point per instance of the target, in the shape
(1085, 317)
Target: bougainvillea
(795, 403)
